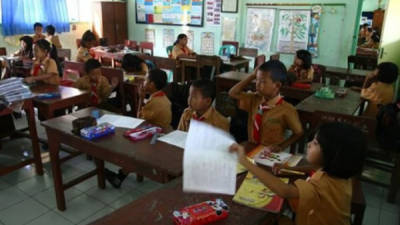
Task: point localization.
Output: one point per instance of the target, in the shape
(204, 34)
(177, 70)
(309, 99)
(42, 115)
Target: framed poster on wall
(230, 6)
(170, 12)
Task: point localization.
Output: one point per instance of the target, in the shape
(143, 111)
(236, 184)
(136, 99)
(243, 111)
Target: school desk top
(343, 72)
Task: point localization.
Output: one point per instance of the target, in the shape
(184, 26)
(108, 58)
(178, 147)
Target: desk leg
(246, 68)
(34, 138)
(100, 173)
(183, 75)
(54, 148)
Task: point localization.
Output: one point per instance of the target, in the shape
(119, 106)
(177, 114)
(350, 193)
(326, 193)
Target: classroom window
(78, 10)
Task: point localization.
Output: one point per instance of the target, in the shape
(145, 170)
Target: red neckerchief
(94, 99)
(158, 94)
(262, 108)
(198, 118)
(184, 51)
(92, 53)
(36, 69)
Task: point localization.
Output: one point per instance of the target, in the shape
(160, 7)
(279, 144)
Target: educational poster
(228, 29)
(168, 37)
(213, 12)
(150, 35)
(190, 35)
(260, 23)
(176, 12)
(293, 30)
(207, 43)
(314, 30)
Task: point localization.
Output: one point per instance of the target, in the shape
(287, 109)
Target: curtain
(19, 15)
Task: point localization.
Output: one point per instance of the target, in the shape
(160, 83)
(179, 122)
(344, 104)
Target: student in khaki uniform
(26, 50)
(336, 154)
(88, 41)
(269, 115)
(38, 28)
(133, 65)
(302, 67)
(156, 111)
(201, 96)
(378, 87)
(44, 67)
(51, 37)
(95, 83)
(180, 47)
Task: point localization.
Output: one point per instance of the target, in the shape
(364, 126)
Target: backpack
(388, 126)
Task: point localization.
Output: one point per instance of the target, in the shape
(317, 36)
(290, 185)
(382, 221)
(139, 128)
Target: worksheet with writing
(120, 121)
(176, 138)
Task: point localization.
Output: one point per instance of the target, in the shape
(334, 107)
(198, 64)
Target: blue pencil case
(49, 95)
(97, 131)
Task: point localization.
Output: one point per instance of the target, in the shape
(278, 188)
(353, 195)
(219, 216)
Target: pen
(292, 172)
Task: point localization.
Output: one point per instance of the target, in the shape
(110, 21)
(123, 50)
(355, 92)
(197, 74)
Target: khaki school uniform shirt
(55, 41)
(323, 200)
(302, 74)
(274, 121)
(211, 116)
(103, 88)
(157, 111)
(177, 51)
(83, 55)
(377, 94)
(49, 67)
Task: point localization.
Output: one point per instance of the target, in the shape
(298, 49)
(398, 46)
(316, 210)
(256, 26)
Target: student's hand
(29, 80)
(274, 148)
(239, 150)
(276, 168)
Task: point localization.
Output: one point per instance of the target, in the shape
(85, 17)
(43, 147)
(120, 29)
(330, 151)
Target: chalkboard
(170, 12)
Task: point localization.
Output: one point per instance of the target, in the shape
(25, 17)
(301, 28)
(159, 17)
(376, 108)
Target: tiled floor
(29, 199)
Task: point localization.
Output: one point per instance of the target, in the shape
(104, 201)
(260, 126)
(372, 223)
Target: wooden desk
(160, 162)
(69, 97)
(36, 159)
(354, 76)
(156, 208)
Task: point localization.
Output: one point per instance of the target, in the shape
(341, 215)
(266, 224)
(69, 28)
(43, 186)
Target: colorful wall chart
(314, 30)
(213, 12)
(293, 30)
(260, 23)
(173, 12)
(207, 43)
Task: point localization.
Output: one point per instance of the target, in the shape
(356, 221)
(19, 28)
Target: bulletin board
(170, 12)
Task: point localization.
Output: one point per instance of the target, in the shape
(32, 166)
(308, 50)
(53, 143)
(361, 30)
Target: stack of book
(13, 89)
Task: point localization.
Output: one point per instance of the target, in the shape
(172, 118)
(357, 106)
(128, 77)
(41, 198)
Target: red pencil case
(202, 213)
(142, 133)
(301, 85)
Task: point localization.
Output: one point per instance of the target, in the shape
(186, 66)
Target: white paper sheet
(208, 166)
(176, 138)
(120, 121)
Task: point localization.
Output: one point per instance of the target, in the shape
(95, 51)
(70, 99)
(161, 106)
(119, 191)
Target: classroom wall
(372, 5)
(337, 33)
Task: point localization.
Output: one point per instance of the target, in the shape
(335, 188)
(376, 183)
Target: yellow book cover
(254, 194)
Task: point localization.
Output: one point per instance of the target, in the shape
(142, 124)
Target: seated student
(88, 41)
(269, 114)
(133, 65)
(373, 41)
(302, 67)
(26, 50)
(45, 68)
(95, 82)
(180, 47)
(201, 96)
(378, 87)
(38, 28)
(336, 154)
(51, 37)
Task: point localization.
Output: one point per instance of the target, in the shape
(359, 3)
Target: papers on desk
(120, 121)
(208, 166)
(13, 89)
(176, 138)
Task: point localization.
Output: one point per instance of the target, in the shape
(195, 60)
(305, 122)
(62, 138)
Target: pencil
(292, 172)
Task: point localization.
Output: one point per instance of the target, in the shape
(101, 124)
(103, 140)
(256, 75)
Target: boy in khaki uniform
(201, 96)
(269, 114)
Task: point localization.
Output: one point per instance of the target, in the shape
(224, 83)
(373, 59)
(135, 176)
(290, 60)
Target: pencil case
(98, 131)
(142, 133)
(202, 213)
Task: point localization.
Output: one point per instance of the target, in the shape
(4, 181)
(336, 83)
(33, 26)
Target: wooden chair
(234, 43)
(147, 46)
(362, 62)
(259, 60)
(178, 94)
(204, 60)
(276, 56)
(112, 73)
(319, 73)
(166, 64)
(72, 71)
(64, 54)
(78, 42)
(377, 158)
(250, 52)
(3, 51)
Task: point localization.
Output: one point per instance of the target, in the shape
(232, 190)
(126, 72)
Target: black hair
(306, 57)
(206, 87)
(276, 69)
(159, 78)
(91, 64)
(180, 36)
(51, 50)
(29, 45)
(365, 25)
(88, 36)
(37, 25)
(343, 149)
(369, 29)
(375, 37)
(51, 29)
(132, 63)
(387, 72)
